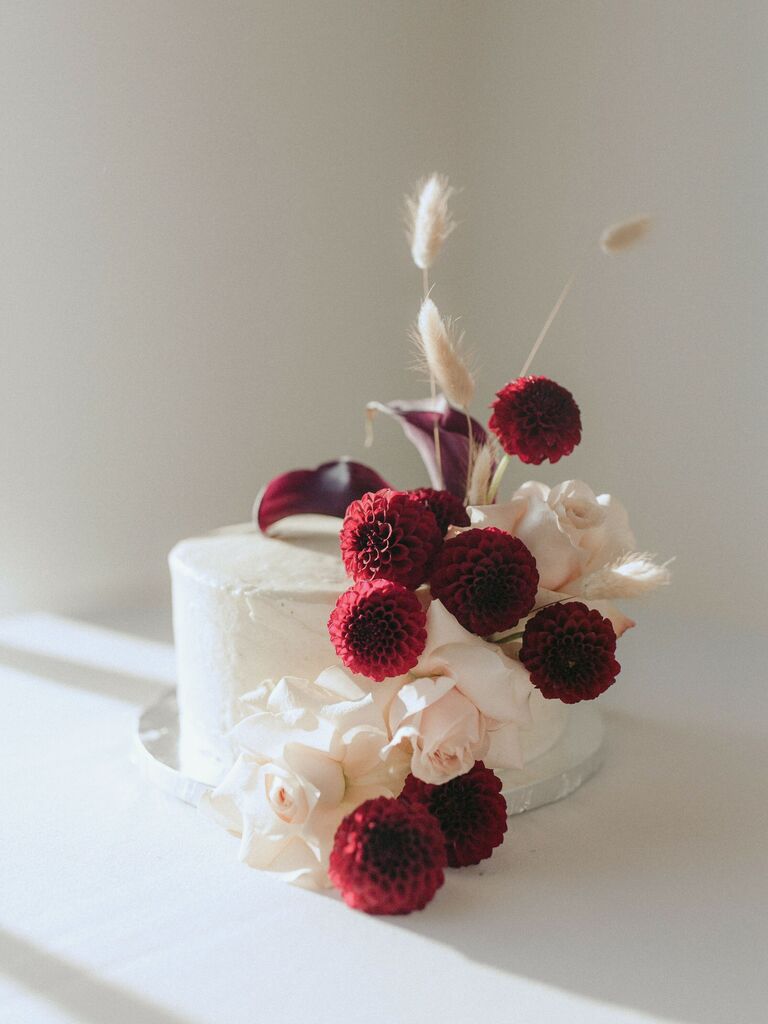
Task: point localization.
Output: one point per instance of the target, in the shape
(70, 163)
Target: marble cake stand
(575, 757)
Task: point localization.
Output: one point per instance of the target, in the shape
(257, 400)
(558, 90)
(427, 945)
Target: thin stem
(508, 638)
(470, 454)
(548, 323)
(493, 490)
(518, 635)
(433, 389)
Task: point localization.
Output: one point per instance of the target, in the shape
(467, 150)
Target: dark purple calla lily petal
(325, 491)
(417, 418)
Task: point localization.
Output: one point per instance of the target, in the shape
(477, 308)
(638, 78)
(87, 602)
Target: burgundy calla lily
(325, 491)
(418, 418)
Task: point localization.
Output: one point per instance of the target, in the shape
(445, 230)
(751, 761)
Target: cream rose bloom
(569, 530)
(310, 753)
(465, 701)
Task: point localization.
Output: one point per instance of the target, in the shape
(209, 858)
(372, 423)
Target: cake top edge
(301, 557)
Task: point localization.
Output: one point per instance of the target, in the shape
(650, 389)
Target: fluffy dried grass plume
(429, 219)
(442, 356)
(631, 575)
(624, 235)
(480, 480)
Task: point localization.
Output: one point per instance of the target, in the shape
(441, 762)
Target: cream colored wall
(204, 277)
(588, 112)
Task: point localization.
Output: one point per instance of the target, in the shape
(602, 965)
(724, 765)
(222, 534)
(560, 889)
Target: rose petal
(317, 769)
(557, 558)
(327, 491)
(416, 696)
(498, 686)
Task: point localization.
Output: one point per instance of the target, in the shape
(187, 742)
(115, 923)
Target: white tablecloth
(642, 896)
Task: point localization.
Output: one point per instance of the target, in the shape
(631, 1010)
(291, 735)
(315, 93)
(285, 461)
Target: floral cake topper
(377, 776)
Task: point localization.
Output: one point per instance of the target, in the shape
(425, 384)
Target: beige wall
(204, 278)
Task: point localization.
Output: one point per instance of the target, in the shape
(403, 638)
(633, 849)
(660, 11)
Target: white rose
(568, 530)
(310, 753)
(446, 731)
(465, 702)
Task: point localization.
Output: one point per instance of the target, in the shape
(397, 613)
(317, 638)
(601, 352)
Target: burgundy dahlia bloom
(569, 651)
(536, 419)
(486, 578)
(388, 857)
(470, 809)
(378, 629)
(390, 535)
(447, 508)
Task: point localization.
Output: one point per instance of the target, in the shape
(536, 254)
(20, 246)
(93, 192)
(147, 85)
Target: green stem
(493, 490)
(519, 635)
(508, 638)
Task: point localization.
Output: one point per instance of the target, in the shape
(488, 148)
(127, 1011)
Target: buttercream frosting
(248, 607)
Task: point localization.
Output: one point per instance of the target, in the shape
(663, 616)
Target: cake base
(572, 760)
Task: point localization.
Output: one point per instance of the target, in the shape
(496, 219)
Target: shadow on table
(74, 990)
(109, 682)
(645, 888)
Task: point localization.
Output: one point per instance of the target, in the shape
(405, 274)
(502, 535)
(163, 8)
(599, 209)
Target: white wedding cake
(248, 607)
(371, 679)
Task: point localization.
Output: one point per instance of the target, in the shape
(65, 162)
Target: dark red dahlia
(486, 578)
(536, 419)
(569, 651)
(390, 535)
(378, 628)
(447, 509)
(470, 809)
(388, 857)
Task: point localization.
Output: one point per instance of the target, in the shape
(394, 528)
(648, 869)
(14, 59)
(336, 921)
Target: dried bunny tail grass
(619, 237)
(631, 575)
(429, 219)
(480, 481)
(442, 356)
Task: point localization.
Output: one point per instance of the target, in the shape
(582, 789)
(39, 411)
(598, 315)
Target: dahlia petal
(486, 578)
(448, 510)
(388, 857)
(326, 490)
(536, 419)
(418, 419)
(620, 622)
(390, 535)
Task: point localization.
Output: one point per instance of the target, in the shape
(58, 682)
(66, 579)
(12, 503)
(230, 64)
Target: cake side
(246, 607)
(249, 607)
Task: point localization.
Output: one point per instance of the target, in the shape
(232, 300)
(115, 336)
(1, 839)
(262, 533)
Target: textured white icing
(247, 607)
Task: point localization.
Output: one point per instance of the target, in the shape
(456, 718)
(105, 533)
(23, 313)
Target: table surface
(640, 897)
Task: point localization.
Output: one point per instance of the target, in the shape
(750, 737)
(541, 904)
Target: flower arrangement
(376, 777)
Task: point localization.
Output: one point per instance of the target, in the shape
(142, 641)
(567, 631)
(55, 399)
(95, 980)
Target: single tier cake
(249, 607)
